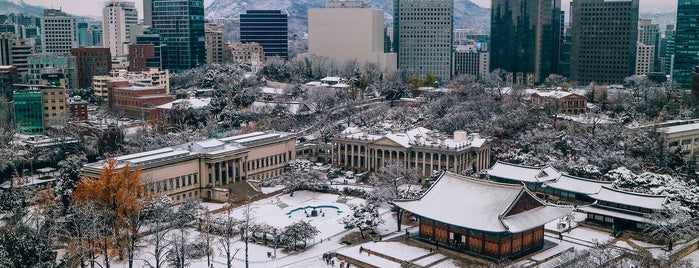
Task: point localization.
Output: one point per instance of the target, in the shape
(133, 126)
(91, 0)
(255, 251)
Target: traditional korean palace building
(605, 206)
(482, 218)
(623, 210)
(207, 169)
(363, 150)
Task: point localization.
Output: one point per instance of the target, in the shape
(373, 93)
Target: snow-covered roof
(419, 136)
(577, 185)
(335, 79)
(680, 128)
(481, 205)
(556, 94)
(292, 107)
(209, 146)
(194, 103)
(523, 173)
(608, 194)
(614, 213)
(272, 91)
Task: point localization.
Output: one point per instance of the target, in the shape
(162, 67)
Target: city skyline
(94, 8)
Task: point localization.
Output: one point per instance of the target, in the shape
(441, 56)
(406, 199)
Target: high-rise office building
(82, 34)
(52, 62)
(604, 40)
(423, 33)
(686, 42)
(667, 49)
(468, 59)
(59, 32)
(148, 12)
(117, 18)
(91, 61)
(151, 38)
(649, 35)
(180, 24)
(526, 38)
(214, 43)
(349, 30)
(269, 28)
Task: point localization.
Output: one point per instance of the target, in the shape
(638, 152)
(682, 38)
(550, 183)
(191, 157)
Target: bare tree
(672, 224)
(227, 228)
(392, 182)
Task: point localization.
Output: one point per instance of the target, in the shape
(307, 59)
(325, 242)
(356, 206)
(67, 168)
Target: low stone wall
(686, 249)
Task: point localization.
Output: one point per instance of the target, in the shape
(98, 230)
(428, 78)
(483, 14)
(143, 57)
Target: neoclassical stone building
(363, 150)
(209, 168)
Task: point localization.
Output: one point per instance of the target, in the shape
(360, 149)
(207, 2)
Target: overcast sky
(94, 7)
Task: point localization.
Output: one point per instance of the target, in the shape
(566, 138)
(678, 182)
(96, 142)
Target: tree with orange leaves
(120, 192)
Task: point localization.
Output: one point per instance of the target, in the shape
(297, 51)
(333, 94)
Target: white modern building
(117, 18)
(59, 32)
(349, 30)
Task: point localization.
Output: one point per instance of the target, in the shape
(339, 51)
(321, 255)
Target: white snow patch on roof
(655, 202)
(577, 185)
(523, 173)
(482, 205)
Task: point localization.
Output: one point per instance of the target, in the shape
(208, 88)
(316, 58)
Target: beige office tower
(349, 30)
(117, 18)
(214, 35)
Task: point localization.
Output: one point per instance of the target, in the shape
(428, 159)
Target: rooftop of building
(209, 146)
(680, 128)
(419, 136)
(483, 205)
(135, 87)
(523, 173)
(577, 185)
(193, 103)
(609, 194)
(556, 94)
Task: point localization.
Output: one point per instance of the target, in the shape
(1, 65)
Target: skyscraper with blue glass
(180, 24)
(686, 42)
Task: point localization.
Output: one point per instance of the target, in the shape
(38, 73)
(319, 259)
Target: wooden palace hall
(482, 218)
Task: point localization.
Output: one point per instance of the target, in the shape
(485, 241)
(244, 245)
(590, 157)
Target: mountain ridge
(466, 14)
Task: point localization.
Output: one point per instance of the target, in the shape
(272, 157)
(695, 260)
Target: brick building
(91, 61)
(142, 57)
(78, 109)
(139, 101)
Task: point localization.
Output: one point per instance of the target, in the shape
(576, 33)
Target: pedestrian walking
(369, 251)
(361, 249)
(333, 262)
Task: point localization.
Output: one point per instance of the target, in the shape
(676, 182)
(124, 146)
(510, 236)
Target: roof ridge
(623, 191)
(584, 179)
(524, 166)
(484, 182)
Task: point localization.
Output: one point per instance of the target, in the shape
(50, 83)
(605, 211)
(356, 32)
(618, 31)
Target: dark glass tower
(604, 40)
(269, 28)
(686, 42)
(526, 38)
(180, 24)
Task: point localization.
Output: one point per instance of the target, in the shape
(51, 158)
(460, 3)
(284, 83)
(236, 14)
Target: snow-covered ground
(273, 211)
(694, 257)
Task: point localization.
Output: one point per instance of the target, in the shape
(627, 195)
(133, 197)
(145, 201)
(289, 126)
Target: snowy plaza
(394, 250)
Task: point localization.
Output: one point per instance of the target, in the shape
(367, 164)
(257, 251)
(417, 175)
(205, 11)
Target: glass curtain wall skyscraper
(269, 28)
(526, 38)
(686, 42)
(423, 34)
(180, 24)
